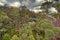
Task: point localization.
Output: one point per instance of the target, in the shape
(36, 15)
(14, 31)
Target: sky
(28, 3)
(17, 3)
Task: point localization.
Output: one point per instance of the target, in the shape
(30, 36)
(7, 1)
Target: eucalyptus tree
(46, 5)
(57, 6)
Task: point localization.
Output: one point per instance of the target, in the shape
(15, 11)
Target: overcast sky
(17, 3)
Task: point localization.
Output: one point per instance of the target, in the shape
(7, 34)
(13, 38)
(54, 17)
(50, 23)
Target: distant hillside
(23, 24)
(24, 15)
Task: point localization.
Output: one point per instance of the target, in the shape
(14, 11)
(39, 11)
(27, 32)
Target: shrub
(15, 37)
(6, 37)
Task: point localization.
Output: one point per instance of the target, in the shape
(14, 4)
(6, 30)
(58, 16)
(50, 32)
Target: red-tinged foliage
(57, 22)
(54, 38)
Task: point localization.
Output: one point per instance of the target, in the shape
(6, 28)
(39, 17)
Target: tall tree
(46, 5)
(57, 6)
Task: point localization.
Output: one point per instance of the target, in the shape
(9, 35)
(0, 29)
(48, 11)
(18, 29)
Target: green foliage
(3, 15)
(45, 30)
(45, 3)
(2, 31)
(41, 16)
(55, 15)
(26, 33)
(6, 37)
(13, 32)
(57, 6)
(15, 37)
(16, 23)
(31, 37)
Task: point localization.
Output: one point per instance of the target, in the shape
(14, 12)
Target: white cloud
(3, 1)
(26, 2)
(1, 4)
(38, 0)
(15, 4)
(53, 10)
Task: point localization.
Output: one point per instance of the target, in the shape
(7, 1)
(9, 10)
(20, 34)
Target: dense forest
(22, 24)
